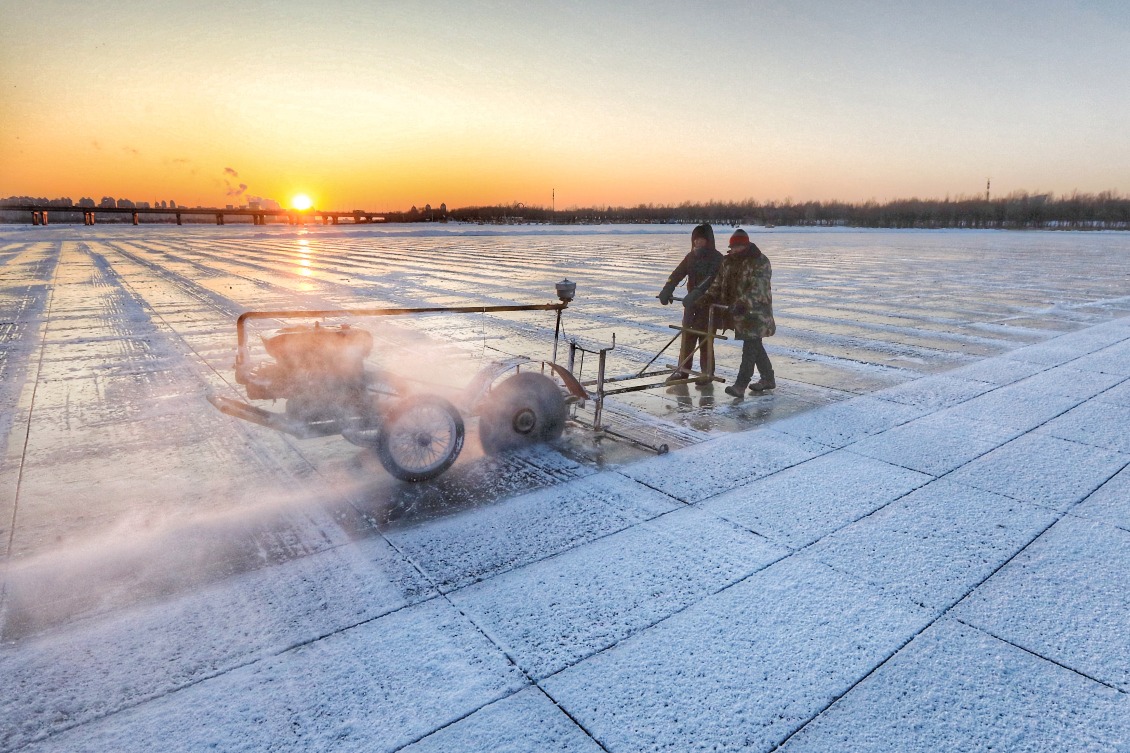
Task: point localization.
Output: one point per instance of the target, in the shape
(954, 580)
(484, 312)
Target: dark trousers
(753, 354)
(696, 319)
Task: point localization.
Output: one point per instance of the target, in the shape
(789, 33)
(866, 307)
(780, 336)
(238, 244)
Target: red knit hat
(739, 238)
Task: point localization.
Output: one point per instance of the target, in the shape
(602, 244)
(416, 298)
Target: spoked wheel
(420, 438)
(526, 409)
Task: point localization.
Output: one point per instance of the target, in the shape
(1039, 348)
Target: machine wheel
(420, 438)
(526, 409)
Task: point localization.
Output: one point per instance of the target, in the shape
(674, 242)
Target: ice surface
(1069, 600)
(550, 615)
(955, 688)
(462, 549)
(1094, 423)
(1045, 470)
(841, 424)
(935, 444)
(526, 722)
(347, 691)
(63, 680)
(935, 544)
(740, 670)
(720, 465)
(1015, 406)
(806, 502)
(949, 428)
(1110, 503)
(1000, 371)
(934, 391)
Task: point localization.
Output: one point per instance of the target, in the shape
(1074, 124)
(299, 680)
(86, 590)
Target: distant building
(86, 201)
(107, 202)
(125, 204)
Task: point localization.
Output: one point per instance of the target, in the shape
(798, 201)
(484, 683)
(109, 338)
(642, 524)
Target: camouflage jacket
(743, 284)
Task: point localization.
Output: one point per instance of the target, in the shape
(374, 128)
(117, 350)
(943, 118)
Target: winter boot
(735, 391)
(766, 382)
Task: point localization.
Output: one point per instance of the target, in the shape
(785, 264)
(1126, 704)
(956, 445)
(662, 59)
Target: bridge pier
(219, 218)
(135, 221)
(178, 219)
(35, 218)
(335, 219)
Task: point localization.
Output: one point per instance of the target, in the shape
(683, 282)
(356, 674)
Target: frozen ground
(919, 546)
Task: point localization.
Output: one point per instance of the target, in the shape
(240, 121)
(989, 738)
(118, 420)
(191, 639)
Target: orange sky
(382, 107)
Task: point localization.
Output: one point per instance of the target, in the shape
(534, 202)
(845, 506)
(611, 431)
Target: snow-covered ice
(957, 688)
(918, 543)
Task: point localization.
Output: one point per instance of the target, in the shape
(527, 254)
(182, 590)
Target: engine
(319, 370)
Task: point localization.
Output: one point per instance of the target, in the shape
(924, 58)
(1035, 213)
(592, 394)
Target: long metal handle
(243, 356)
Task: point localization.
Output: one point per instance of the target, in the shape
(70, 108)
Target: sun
(301, 202)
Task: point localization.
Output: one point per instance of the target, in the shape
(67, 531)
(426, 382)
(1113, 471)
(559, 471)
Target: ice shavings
(553, 613)
(935, 444)
(843, 423)
(1046, 470)
(526, 722)
(67, 678)
(1066, 598)
(955, 688)
(713, 467)
(374, 688)
(461, 549)
(935, 544)
(803, 503)
(740, 670)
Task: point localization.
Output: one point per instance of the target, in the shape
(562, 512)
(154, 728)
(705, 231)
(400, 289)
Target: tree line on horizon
(1019, 210)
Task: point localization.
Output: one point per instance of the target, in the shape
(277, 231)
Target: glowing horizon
(467, 105)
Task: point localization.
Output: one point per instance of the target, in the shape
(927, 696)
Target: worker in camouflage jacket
(698, 268)
(744, 284)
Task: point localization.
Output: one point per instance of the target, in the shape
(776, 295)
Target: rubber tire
(525, 391)
(391, 426)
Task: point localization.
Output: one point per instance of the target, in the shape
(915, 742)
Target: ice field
(917, 542)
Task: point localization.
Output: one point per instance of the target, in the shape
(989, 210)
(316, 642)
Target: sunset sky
(382, 105)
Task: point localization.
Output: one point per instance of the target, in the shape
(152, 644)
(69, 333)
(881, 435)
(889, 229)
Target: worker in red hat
(744, 284)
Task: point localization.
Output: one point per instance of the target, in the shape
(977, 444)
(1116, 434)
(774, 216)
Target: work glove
(691, 298)
(667, 294)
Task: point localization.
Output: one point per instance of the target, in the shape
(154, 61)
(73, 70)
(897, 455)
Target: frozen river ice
(121, 486)
(113, 335)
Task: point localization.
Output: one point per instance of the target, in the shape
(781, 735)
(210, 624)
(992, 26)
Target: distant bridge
(40, 214)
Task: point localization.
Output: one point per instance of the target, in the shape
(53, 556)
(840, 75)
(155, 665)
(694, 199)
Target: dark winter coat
(697, 268)
(744, 284)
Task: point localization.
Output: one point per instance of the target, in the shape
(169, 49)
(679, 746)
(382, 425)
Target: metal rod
(641, 375)
(662, 449)
(657, 355)
(598, 407)
(672, 383)
(242, 354)
(715, 335)
(556, 335)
